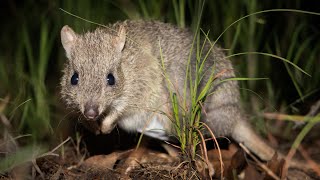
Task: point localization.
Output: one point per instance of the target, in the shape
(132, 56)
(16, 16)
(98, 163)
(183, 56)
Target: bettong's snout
(91, 110)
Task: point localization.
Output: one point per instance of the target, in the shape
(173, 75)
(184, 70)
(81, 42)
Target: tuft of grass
(179, 12)
(36, 59)
(186, 121)
(23, 155)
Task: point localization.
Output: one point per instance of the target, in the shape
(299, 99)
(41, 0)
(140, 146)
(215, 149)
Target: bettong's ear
(120, 39)
(68, 37)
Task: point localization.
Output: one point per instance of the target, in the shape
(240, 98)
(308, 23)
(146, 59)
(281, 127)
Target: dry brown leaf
(227, 156)
(251, 173)
(143, 155)
(276, 165)
(106, 161)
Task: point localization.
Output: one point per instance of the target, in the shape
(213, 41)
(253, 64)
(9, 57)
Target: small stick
(37, 168)
(219, 150)
(50, 153)
(313, 165)
(263, 166)
(215, 141)
(283, 117)
(315, 108)
(205, 152)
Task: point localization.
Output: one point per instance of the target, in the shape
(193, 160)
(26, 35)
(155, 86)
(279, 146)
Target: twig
(215, 141)
(202, 153)
(221, 73)
(37, 168)
(218, 147)
(298, 119)
(178, 147)
(50, 153)
(4, 103)
(283, 117)
(263, 166)
(313, 165)
(287, 159)
(205, 152)
(5, 121)
(15, 138)
(315, 108)
(179, 165)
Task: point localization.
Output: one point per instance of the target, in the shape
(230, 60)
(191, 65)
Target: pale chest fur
(152, 124)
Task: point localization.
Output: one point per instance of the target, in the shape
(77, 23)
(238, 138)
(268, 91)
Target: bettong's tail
(244, 134)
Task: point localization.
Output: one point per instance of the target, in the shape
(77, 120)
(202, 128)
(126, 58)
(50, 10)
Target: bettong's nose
(91, 110)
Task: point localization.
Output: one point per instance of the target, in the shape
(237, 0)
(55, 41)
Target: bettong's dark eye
(75, 78)
(110, 79)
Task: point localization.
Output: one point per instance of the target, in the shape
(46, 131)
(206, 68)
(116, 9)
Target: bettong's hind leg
(225, 118)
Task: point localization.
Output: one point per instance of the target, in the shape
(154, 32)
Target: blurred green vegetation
(31, 55)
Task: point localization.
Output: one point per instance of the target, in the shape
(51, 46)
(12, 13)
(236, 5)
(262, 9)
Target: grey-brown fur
(130, 50)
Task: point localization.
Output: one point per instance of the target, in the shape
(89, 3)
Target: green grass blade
(271, 55)
(311, 123)
(143, 7)
(265, 11)
(287, 66)
(23, 155)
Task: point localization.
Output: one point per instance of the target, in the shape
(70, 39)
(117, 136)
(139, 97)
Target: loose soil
(95, 158)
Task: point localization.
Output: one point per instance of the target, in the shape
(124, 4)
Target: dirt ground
(151, 161)
(146, 163)
(116, 156)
